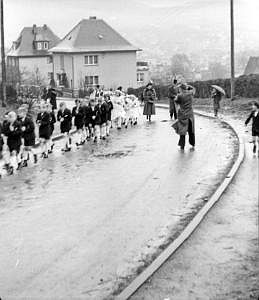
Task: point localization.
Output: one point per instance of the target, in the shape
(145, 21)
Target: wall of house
(146, 77)
(113, 69)
(30, 65)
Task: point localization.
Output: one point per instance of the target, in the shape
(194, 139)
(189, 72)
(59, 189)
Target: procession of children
(92, 118)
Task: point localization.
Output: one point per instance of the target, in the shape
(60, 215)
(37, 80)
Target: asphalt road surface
(73, 226)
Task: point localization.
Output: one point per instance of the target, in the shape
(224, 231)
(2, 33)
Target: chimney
(92, 18)
(34, 27)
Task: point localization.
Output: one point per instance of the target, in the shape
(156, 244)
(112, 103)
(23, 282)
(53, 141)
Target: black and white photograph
(129, 149)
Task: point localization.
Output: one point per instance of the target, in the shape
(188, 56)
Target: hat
(150, 83)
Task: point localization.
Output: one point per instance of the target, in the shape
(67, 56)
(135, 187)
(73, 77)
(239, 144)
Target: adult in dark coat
(52, 96)
(254, 116)
(185, 121)
(149, 97)
(172, 94)
(216, 96)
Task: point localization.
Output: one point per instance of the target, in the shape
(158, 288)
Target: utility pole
(232, 49)
(3, 56)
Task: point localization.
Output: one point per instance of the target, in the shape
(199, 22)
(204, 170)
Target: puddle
(116, 154)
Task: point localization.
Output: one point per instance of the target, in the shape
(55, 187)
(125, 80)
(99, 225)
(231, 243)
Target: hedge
(245, 86)
(10, 92)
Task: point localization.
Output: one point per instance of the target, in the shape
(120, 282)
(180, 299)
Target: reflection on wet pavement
(90, 214)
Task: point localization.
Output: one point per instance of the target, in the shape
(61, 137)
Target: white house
(29, 53)
(94, 53)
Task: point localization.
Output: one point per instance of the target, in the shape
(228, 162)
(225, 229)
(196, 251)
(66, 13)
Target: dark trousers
(173, 112)
(191, 137)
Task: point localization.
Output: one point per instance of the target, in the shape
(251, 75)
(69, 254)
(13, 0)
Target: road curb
(190, 228)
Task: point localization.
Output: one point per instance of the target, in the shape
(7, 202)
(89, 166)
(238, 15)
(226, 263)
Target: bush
(10, 92)
(246, 86)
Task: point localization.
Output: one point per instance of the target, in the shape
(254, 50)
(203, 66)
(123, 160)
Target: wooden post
(232, 50)
(3, 96)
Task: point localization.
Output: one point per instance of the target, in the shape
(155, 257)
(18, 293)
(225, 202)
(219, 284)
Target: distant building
(29, 53)
(252, 66)
(94, 53)
(143, 75)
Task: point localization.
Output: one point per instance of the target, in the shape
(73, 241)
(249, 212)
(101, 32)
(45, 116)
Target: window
(140, 77)
(91, 60)
(62, 62)
(46, 45)
(91, 80)
(49, 60)
(39, 46)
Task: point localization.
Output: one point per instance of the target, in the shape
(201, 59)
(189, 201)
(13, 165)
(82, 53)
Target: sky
(137, 18)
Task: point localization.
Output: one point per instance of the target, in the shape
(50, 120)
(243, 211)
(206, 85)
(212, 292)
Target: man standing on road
(185, 121)
(172, 94)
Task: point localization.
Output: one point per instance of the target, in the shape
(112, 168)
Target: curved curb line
(190, 228)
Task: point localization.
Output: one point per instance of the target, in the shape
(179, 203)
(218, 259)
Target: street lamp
(3, 55)
(232, 52)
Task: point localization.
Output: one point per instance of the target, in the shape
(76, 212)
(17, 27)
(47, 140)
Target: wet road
(72, 226)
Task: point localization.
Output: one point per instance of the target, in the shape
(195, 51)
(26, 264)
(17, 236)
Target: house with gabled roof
(93, 53)
(30, 52)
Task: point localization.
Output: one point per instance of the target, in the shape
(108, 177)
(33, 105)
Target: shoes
(68, 149)
(19, 166)
(25, 163)
(10, 170)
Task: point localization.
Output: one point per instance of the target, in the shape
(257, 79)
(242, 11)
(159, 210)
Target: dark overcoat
(1, 139)
(172, 94)
(28, 134)
(149, 97)
(78, 114)
(255, 123)
(185, 113)
(104, 112)
(66, 124)
(53, 120)
(43, 119)
(53, 99)
(14, 137)
(110, 108)
(216, 100)
(98, 115)
(89, 112)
